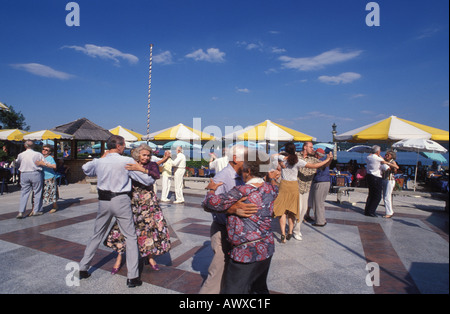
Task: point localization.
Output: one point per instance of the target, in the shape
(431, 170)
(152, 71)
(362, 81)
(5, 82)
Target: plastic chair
(340, 181)
(4, 181)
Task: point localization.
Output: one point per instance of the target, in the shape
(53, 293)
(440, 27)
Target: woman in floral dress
(50, 193)
(151, 227)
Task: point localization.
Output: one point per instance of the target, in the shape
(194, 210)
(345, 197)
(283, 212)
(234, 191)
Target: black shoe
(131, 283)
(289, 236)
(84, 274)
(371, 215)
(317, 225)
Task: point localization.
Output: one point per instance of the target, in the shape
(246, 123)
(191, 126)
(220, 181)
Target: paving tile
(331, 259)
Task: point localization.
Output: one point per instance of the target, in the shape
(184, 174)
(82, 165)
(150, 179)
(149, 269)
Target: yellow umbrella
(44, 135)
(11, 134)
(3, 107)
(179, 132)
(393, 129)
(269, 131)
(127, 134)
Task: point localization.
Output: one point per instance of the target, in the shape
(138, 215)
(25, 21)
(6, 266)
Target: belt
(108, 195)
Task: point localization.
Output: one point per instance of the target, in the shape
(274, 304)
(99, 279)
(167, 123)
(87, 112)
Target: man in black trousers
(374, 181)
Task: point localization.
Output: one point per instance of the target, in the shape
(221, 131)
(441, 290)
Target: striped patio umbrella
(268, 131)
(11, 134)
(179, 132)
(3, 107)
(127, 134)
(44, 135)
(393, 129)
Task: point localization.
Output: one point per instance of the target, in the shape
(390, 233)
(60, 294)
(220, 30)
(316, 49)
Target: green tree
(13, 120)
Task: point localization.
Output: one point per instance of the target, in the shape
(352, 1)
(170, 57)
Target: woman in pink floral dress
(151, 227)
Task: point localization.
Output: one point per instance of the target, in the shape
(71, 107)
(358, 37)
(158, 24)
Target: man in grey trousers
(114, 187)
(31, 179)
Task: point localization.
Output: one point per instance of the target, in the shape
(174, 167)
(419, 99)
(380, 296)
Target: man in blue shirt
(114, 186)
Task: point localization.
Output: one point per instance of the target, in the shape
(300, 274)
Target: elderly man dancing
(31, 179)
(114, 186)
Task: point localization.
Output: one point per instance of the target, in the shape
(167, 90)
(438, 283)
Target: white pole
(149, 90)
(415, 174)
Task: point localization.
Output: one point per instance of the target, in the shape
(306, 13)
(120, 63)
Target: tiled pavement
(411, 251)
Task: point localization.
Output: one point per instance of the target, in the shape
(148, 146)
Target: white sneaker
(298, 236)
(178, 202)
(165, 201)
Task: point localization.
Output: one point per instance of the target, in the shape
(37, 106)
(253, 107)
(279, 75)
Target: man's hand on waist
(242, 209)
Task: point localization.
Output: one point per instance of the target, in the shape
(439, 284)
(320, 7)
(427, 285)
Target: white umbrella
(419, 146)
(360, 149)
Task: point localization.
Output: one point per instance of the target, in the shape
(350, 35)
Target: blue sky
(303, 64)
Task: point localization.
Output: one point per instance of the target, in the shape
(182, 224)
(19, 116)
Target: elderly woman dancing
(287, 203)
(388, 172)
(151, 227)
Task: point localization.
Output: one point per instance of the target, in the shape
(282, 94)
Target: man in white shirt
(217, 164)
(31, 178)
(166, 176)
(374, 181)
(179, 165)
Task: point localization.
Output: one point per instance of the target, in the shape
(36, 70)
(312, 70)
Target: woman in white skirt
(388, 173)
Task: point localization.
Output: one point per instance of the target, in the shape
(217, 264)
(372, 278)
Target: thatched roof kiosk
(82, 130)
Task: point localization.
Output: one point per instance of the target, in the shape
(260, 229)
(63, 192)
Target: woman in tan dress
(286, 205)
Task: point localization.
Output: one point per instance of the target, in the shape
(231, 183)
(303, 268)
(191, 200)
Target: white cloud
(163, 58)
(428, 32)
(319, 61)
(322, 116)
(357, 96)
(343, 78)
(42, 70)
(271, 70)
(105, 52)
(278, 50)
(243, 90)
(211, 55)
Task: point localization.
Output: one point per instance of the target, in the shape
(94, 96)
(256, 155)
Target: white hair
(376, 149)
(29, 144)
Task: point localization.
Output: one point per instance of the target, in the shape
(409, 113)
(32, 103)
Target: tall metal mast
(149, 89)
